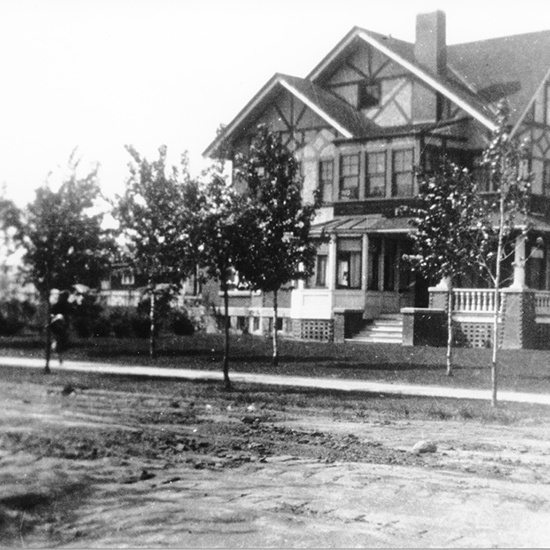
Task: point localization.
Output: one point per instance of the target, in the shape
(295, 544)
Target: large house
(373, 109)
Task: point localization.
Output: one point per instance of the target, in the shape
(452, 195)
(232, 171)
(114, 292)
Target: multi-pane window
(127, 278)
(546, 178)
(319, 279)
(368, 94)
(348, 263)
(403, 176)
(349, 177)
(481, 175)
(376, 175)
(326, 178)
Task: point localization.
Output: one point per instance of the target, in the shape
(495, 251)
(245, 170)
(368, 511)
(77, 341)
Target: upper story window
(547, 104)
(402, 173)
(326, 179)
(349, 177)
(127, 278)
(546, 178)
(368, 95)
(376, 175)
(481, 175)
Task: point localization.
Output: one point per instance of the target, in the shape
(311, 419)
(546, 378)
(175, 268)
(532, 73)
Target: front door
(390, 284)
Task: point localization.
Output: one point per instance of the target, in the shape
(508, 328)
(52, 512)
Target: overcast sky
(99, 74)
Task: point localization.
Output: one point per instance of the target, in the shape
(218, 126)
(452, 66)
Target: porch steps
(386, 329)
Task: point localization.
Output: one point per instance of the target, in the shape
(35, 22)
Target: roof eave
(429, 79)
(276, 80)
(529, 104)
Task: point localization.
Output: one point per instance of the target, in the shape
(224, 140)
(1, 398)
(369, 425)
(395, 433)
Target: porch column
(365, 263)
(518, 306)
(382, 263)
(439, 294)
(519, 264)
(331, 267)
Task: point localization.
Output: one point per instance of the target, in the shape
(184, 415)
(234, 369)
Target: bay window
(403, 174)
(349, 177)
(376, 175)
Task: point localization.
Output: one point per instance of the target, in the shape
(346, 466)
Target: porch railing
(473, 300)
(542, 302)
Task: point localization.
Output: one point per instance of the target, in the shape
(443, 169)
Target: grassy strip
(336, 404)
(520, 370)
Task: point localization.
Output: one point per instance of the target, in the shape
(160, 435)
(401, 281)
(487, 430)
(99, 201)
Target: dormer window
(368, 95)
(127, 278)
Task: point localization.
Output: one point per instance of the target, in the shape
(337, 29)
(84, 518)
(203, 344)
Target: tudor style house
(371, 111)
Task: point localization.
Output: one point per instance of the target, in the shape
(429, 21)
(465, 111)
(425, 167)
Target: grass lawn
(519, 370)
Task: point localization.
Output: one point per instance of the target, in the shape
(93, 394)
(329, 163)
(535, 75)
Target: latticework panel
(543, 336)
(317, 329)
(477, 335)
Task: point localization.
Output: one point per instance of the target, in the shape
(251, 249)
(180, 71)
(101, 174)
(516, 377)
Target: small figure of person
(62, 305)
(60, 335)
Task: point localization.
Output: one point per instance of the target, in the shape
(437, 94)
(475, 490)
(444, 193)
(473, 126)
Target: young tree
(63, 238)
(502, 218)
(217, 233)
(153, 214)
(444, 220)
(10, 223)
(277, 247)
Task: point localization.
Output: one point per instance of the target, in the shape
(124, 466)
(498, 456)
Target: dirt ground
(88, 468)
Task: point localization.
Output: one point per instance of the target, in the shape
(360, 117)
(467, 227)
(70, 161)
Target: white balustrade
(542, 302)
(474, 300)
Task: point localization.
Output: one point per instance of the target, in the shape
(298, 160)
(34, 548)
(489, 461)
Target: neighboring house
(124, 288)
(373, 109)
(121, 288)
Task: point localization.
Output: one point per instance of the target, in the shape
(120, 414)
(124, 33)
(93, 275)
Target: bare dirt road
(84, 468)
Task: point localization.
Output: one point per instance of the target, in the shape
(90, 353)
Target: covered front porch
(361, 268)
(523, 303)
(361, 277)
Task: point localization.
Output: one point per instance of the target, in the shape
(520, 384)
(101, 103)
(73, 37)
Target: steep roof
(335, 107)
(511, 66)
(335, 111)
(478, 75)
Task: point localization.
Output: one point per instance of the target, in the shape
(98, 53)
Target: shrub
(180, 323)
(86, 316)
(15, 316)
(120, 320)
(102, 327)
(141, 325)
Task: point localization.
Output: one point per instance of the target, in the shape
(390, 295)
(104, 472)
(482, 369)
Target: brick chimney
(430, 52)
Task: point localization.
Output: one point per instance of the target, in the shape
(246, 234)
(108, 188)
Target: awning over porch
(353, 225)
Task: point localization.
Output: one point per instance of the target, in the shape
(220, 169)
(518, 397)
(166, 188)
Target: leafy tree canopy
(154, 217)
(277, 245)
(445, 219)
(62, 234)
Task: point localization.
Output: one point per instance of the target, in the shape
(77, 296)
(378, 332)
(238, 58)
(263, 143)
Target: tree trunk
(494, 359)
(275, 360)
(152, 342)
(47, 369)
(450, 329)
(226, 380)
